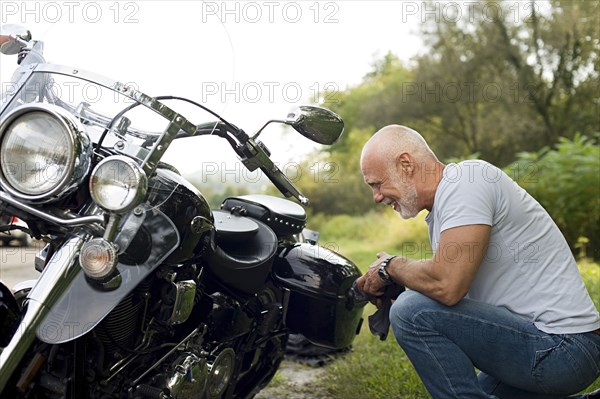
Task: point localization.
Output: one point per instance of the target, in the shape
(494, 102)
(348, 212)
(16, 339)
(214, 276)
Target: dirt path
(295, 381)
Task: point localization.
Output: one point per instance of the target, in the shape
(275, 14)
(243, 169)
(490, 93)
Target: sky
(249, 61)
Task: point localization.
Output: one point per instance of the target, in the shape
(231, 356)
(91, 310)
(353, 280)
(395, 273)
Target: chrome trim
(55, 278)
(82, 317)
(79, 158)
(75, 221)
(185, 294)
(35, 55)
(178, 122)
(188, 376)
(177, 347)
(23, 73)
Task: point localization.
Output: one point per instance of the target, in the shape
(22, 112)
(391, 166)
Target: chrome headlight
(44, 152)
(118, 184)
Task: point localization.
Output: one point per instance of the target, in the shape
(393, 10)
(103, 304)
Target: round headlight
(44, 152)
(118, 184)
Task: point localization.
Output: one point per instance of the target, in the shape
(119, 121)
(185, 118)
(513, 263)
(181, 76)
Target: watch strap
(385, 276)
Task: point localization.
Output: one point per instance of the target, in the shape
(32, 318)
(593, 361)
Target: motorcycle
(145, 291)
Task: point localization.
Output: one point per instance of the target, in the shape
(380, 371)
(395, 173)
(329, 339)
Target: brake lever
(255, 154)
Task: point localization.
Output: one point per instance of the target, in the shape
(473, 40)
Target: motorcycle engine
(185, 378)
(190, 376)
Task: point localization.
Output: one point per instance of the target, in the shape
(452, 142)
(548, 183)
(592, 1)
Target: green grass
(376, 369)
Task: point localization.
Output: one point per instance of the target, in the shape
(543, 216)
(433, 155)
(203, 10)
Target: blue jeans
(515, 358)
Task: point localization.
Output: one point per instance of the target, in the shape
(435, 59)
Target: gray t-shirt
(528, 267)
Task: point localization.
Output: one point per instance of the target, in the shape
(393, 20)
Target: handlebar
(253, 155)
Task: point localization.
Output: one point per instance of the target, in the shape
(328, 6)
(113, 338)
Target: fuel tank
(185, 206)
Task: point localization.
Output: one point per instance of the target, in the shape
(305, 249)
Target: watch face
(384, 274)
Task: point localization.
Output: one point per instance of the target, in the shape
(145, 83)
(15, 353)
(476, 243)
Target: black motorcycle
(144, 291)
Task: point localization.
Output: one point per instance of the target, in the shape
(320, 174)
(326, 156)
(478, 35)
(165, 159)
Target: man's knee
(404, 315)
(408, 305)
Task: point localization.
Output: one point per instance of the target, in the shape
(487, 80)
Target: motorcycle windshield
(83, 305)
(114, 115)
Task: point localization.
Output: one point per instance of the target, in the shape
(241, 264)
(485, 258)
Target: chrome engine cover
(188, 377)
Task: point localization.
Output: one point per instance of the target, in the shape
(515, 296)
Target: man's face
(391, 186)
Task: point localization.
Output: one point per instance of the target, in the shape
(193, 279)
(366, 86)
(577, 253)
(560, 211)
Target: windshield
(114, 115)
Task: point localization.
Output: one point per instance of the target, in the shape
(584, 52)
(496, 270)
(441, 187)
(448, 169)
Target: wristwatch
(383, 274)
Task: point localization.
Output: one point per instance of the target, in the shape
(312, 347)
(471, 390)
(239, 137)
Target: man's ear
(405, 163)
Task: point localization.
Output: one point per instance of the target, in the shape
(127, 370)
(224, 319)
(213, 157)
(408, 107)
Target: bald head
(391, 141)
(401, 170)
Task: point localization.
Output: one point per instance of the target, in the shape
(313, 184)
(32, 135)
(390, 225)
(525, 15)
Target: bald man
(502, 292)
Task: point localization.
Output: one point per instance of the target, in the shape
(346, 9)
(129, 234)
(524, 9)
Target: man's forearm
(427, 277)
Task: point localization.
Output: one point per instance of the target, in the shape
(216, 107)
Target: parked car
(15, 235)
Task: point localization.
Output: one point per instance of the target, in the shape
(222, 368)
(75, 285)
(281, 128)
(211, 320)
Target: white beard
(408, 205)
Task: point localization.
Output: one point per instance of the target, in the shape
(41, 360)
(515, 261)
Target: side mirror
(13, 38)
(317, 124)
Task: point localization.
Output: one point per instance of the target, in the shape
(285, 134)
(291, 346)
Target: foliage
(510, 82)
(376, 102)
(335, 183)
(495, 86)
(354, 236)
(566, 181)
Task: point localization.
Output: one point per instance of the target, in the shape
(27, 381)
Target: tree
(508, 82)
(496, 85)
(334, 181)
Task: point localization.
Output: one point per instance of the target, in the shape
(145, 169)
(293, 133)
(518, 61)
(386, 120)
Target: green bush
(566, 182)
(361, 237)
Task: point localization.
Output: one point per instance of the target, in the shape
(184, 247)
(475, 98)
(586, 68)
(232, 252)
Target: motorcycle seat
(242, 252)
(284, 217)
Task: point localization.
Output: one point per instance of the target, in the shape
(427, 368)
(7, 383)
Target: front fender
(63, 306)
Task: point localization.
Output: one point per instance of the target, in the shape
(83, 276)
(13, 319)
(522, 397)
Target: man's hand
(371, 284)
